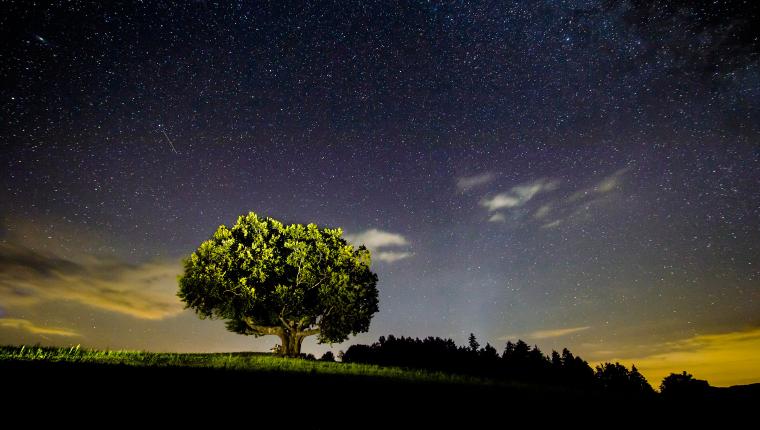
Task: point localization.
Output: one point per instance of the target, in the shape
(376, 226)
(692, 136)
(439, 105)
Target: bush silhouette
(684, 387)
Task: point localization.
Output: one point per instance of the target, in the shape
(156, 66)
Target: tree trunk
(285, 343)
(291, 343)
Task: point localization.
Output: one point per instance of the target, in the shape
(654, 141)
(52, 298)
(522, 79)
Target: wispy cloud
(543, 211)
(145, 291)
(546, 334)
(374, 238)
(722, 359)
(391, 256)
(518, 195)
(26, 325)
(377, 240)
(609, 183)
(583, 203)
(557, 332)
(551, 224)
(466, 183)
(605, 185)
(497, 217)
(500, 201)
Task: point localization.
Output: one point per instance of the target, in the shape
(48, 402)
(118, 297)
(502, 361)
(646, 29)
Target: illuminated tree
(294, 281)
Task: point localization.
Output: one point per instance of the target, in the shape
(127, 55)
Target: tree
(509, 350)
(683, 386)
(489, 353)
(613, 377)
(617, 378)
(294, 281)
(473, 342)
(639, 382)
(327, 356)
(556, 360)
(521, 351)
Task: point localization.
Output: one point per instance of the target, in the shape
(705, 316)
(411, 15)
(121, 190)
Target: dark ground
(126, 395)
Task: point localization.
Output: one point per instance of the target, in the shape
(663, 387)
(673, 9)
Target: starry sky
(579, 173)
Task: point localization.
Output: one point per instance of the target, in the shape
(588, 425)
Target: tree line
(518, 362)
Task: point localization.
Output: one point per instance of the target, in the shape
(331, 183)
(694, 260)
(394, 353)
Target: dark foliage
(683, 386)
(617, 378)
(518, 362)
(144, 394)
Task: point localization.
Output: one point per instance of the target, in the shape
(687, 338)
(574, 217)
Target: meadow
(211, 386)
(235, 361)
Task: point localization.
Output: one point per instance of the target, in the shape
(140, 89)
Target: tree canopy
(683, 386)
(292, 281)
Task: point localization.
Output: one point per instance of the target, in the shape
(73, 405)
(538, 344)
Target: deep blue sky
(574, 173)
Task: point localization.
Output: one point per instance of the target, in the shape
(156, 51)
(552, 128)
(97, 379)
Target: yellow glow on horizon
(722, 359)
(23, 324)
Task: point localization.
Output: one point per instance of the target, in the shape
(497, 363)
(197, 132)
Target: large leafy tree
(294, 281)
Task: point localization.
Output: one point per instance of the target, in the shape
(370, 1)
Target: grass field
(138, 383)
(239, 361)
(145, 385)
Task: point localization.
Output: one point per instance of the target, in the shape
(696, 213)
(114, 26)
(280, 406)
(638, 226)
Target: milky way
(573, 173)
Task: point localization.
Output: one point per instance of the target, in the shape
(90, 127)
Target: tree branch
(298, 275)
(319, 282)
(303, 322)
(328, 312)
(309, 332)
(285, 323)
(262, 329)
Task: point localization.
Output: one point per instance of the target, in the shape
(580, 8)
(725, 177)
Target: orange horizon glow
(723, 360)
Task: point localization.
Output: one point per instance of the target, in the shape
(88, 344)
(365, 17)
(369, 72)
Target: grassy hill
(143, 380)
(250, 362)
(268, 387)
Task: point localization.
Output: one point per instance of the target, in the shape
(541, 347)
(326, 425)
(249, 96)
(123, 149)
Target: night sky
(573, 173)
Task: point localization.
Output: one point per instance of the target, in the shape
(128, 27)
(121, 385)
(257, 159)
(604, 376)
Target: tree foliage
(617, 378)
(518, 361)
(293, 281)
(683, 386)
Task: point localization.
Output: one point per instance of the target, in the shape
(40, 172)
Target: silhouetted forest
(517, 362)
(521, 382)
